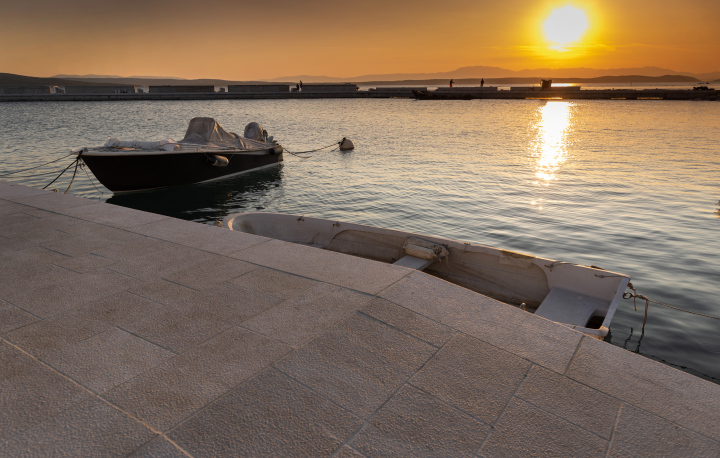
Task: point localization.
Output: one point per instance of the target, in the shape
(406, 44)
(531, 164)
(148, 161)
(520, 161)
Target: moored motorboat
(207, 152)
(582, 297)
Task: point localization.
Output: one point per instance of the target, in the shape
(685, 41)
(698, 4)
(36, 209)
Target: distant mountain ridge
(463, 75)
(497, 72)
(10, 79)
(73, 77)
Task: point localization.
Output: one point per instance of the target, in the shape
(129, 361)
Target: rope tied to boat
(296, 153)
(73, 163)
(36, 167)
(634, 296)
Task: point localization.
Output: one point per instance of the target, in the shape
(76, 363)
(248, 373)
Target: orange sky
(239, 40)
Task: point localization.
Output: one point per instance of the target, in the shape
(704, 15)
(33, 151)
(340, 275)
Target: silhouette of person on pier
(301, 85)
(451, 83)
(482, 82)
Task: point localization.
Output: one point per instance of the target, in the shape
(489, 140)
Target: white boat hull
(584, 298)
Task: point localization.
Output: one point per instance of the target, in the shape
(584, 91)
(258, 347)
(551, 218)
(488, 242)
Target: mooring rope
(314, 150)
(634, 295)
(65, 170)
(37, 166)
(82, 167)
(39, 174)
(77, 161)
(336, 145)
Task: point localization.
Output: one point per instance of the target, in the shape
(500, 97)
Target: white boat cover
(203, 133)
(165, 145)
(208, 133)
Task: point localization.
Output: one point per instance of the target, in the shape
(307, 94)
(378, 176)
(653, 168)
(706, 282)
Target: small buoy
(346, 144)
(55, 190)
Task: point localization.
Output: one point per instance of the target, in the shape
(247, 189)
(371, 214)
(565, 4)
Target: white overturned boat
(206, 153)
(584, 298)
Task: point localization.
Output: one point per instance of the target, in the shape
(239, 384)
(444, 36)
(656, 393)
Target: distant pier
(345, 91)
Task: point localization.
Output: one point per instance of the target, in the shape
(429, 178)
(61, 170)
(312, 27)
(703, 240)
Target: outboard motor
(255, 131)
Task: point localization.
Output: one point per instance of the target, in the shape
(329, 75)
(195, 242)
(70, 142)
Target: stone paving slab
(13, 262)
(640, 433)
(577, 403)
(347, 271)
(677, 396)
(412, 323)
(121, 309)
(202, 236)
(107, 359)
(171, 259)
(174, 390)
(91, 428)
(159, 448)
(266, 280)
(31, 392)
(270, 415)
(524, 430)
(12, 213)
(43, 337)
(12, 317)
(358, 364)
(127, 333)
(211, 273)
(473, 376)
(414, 423)
(112, 215)
(54, 201)
(11, 191)
(303, 317)
(539, 340)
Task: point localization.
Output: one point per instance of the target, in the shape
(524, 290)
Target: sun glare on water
(565, 25)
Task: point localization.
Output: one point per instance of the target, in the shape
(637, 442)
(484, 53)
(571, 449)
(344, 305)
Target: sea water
(630, 186)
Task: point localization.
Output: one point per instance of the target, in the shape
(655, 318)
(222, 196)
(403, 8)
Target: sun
(565, 25)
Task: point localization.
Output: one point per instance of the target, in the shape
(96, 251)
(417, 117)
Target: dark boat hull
(134, 172)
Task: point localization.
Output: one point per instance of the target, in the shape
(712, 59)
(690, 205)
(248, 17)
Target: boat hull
(133, 172)
(584, 298)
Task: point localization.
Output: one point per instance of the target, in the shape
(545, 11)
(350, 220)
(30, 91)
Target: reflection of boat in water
(206, 153)
(209, 201)
(584, 298)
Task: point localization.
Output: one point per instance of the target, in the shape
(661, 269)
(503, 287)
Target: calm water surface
(631, 186)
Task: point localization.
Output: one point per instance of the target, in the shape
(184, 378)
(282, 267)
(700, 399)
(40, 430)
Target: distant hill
(627, 79)
(85, 77)
(10, 79)
(497, 72)
(714, 76)
(164, 81)
(465, 75)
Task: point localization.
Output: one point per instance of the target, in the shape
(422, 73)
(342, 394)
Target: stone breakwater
(459, 93)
